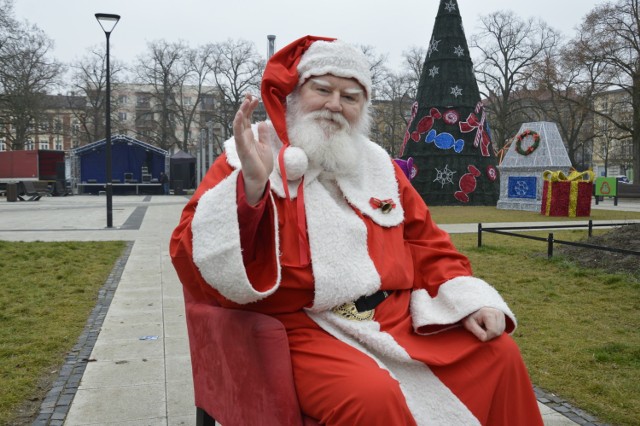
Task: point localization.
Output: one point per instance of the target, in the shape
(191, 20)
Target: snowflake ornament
(456, 91)
(433, 47)
(445, 176)
(433, 71)
(451, 6)
(458, 51)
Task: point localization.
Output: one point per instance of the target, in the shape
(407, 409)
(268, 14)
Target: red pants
(339, 385)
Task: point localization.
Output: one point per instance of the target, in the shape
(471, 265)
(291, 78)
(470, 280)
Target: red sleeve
(250, 218)
(435, 258)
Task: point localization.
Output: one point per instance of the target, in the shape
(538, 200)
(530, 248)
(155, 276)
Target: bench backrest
(29, 188)
(628, 190)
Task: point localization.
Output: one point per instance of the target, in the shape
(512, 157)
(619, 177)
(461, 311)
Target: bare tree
(8, 24)
(377, 66)
(413, 62)
(564, 93)
(191, 93)
(609, 36)
(390, 110)
(26, 75)
(162, 70)
(7, 30)
(509, 47)
(392, 96)
(237, 70)
(611, 149)
(89, 80)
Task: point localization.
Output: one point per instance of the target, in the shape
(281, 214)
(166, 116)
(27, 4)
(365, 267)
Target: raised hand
(255, 156)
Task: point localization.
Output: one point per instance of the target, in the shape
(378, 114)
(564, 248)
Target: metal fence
(504, 230)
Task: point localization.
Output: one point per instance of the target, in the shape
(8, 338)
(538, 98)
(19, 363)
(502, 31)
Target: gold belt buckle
(350, 312)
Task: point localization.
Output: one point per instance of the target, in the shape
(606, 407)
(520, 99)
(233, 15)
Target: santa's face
(343, 96)
(328, 118)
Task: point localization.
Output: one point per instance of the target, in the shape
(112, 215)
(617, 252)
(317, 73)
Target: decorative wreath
(536, 142)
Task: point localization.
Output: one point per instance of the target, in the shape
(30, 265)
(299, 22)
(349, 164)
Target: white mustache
(328, 115)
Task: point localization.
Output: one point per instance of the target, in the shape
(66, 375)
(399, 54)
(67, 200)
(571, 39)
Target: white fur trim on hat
(336, 58)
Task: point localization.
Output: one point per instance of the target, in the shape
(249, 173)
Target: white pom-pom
(296, 162)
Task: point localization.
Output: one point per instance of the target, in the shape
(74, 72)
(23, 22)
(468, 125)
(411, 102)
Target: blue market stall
(136, 166)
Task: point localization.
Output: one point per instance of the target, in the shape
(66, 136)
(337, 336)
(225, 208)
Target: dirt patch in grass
(27, 412)
(624, 237)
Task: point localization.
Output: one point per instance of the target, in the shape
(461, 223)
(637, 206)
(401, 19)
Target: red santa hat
(306, 57)
(288, 69)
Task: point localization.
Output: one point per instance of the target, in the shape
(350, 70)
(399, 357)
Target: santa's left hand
(485, 323)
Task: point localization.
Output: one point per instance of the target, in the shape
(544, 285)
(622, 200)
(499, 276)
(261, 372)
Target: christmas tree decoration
(448, 136)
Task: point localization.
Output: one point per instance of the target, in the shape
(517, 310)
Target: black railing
(551, 240)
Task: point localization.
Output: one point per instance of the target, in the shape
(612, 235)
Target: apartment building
(69, 121)
(57, 128)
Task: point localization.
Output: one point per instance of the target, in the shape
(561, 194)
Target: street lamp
(108, 22)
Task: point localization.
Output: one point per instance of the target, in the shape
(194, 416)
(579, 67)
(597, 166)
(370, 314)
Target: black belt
(367, 303)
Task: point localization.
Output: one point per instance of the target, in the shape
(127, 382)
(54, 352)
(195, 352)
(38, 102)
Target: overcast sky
(389, 26)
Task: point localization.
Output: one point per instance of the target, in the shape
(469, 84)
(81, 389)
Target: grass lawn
(578, 328)
(467, 214)
(47, 291)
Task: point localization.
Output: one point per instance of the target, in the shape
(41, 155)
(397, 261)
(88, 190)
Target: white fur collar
(377, 180)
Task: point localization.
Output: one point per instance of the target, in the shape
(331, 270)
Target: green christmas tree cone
(448, 136)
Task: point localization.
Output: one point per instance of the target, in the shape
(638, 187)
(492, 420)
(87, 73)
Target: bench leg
(203, 418)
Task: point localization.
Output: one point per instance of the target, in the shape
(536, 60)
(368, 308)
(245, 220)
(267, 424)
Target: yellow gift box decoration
(567, 195)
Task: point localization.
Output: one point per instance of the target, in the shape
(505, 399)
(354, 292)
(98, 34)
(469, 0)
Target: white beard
(327, 138)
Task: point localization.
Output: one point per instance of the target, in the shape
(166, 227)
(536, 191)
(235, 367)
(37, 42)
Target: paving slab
(119, 404)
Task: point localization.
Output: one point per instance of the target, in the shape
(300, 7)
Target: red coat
(355, 249)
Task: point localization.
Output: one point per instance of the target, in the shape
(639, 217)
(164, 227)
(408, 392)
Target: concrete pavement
(132, 364)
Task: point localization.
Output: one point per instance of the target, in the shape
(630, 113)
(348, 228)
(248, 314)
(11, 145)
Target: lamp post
(108, 22)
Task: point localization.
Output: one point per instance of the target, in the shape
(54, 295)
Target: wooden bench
(33, 190)
(60, 189)
(628, 190)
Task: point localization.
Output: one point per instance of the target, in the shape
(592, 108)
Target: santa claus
(305, 219)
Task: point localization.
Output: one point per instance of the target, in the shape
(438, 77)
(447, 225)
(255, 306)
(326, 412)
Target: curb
(56, 404)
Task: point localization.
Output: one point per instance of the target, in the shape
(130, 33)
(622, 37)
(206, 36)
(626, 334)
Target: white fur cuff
(216, 244)
(456, 299)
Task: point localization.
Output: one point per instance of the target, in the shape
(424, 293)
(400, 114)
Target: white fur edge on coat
(378, 179)
(456, 299)
(342, 267)
(430, 401)
(216, 244)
